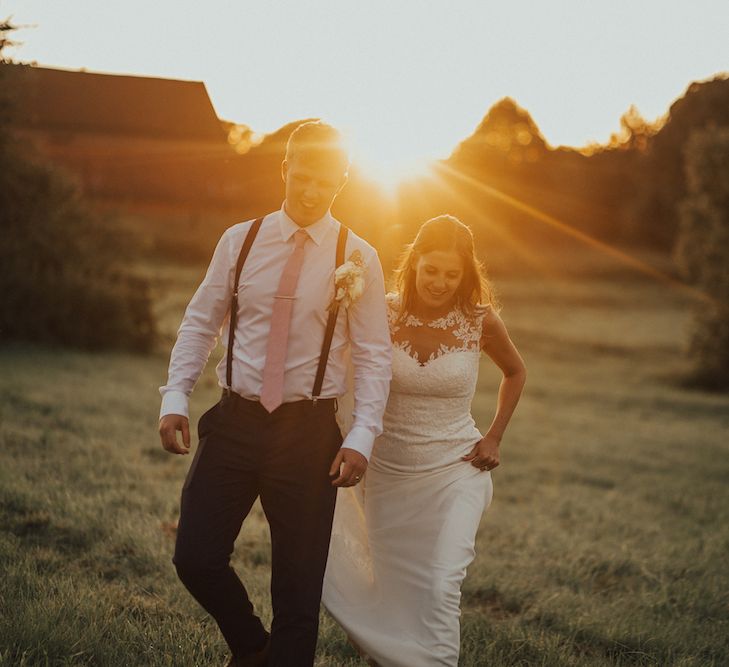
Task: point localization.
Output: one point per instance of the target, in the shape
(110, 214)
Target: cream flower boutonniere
(348, 281)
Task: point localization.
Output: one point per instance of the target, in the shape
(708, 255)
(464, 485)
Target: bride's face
(438, 274)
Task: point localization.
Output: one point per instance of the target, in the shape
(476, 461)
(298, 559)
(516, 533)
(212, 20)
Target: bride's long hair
(446, 232)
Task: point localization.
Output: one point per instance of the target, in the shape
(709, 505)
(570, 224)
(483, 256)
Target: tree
(6, 28)
(64, 275)
(703, 250)
(635, 131)
(662, 173)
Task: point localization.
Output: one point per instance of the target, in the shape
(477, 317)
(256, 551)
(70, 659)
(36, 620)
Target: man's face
(312, 183)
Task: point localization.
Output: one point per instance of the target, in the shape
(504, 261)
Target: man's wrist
(174, 403)
(361, 440)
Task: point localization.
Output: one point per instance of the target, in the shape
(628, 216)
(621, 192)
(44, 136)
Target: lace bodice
(427, 422)
(426, 341)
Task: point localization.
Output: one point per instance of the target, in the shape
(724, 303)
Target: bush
(702, 251)
(63, 276)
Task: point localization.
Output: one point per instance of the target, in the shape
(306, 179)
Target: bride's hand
(485, 453)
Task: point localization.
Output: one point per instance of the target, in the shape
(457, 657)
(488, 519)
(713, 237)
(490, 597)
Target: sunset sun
(388, 157)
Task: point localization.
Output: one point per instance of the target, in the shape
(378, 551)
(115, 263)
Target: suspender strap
(331, 322)
(250, 237)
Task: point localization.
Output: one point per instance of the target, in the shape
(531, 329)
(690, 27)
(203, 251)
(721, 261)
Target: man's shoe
(257, 659)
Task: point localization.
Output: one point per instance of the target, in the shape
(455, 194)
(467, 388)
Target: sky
(406, 80)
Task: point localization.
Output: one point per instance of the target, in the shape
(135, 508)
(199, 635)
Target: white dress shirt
(362, 327)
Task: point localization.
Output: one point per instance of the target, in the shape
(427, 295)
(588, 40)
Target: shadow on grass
(36, 526)
(494, 603)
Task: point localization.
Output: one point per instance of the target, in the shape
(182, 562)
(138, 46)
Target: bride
(403, 538)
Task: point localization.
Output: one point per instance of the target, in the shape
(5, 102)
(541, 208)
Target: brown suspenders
(331, 321)
(250, 237)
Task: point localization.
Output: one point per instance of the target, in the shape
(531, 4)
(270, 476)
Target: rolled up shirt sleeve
(371, 355)
(198, 333)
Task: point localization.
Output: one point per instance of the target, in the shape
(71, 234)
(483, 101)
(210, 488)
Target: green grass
(606, 543)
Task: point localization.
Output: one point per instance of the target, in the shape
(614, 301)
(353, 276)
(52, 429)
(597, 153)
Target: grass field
(607, 542)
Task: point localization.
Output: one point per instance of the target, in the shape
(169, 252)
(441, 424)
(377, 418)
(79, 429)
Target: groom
(273, 434)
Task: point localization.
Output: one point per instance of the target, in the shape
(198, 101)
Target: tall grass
(606, 543)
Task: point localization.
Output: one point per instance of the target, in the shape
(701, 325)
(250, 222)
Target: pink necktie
(273, 371)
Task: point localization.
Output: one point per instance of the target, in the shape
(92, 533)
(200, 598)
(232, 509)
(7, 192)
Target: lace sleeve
(392, 299)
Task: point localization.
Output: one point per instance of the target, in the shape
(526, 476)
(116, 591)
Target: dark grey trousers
(284, 458)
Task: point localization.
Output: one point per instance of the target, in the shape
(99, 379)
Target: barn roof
(70, 100)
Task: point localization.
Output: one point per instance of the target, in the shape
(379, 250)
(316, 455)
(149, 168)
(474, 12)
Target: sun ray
(436, 181)
(576, 234)
(386, 155)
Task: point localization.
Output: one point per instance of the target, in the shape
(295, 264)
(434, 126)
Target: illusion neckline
(442, 322)
(405, 348)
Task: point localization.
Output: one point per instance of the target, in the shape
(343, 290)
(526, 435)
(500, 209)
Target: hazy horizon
(405, 82)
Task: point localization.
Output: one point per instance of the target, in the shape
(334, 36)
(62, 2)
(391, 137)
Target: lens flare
(389, 158)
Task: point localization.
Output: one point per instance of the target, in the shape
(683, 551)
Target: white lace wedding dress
(402, 538)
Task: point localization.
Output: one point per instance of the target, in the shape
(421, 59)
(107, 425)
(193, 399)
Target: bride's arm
(497, 344)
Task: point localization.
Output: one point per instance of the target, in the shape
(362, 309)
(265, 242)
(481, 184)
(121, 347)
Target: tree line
(662, 185)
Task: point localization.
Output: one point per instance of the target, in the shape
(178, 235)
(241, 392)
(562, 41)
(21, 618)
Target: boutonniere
(348, 281)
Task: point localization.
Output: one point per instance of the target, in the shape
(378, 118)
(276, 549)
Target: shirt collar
(317, 230)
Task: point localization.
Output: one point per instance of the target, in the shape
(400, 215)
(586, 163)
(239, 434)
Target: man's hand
(349, 465)
(168, 427)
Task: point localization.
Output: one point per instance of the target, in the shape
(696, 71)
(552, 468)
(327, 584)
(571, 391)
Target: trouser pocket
(193, 465)
(204, 429)
(205, 423)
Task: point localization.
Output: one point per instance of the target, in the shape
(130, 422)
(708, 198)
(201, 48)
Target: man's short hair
(320, 142)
